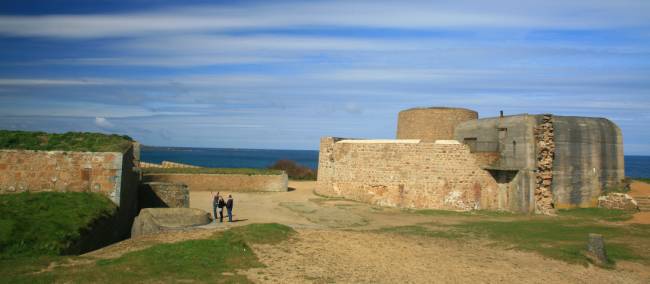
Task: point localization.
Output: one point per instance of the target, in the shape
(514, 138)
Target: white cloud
(103, 122)
(377, 14)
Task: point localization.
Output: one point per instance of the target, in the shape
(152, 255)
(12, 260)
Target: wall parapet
(223, 182)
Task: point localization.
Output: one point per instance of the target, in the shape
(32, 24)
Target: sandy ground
(334, 245)
(325, 256)
(640, 189)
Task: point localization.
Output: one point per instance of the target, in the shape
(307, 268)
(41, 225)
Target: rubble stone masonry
(544, 137)
(404, 173)
(26, 170)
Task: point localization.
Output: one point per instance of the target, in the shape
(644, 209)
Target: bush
(294, 170)
(69, 141)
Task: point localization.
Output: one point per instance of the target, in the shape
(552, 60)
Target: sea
(635, 166)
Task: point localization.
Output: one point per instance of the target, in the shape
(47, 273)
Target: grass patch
(196, 261)
(563, 237)
(560, 239)
(70, 141)
(261, 233)
(646, 180)
(449, 213)
(597, 214)
(223, 171)
(47, 223)
(417, 230)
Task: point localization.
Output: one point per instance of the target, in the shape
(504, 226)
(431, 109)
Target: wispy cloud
(225, 75)
(376, 14)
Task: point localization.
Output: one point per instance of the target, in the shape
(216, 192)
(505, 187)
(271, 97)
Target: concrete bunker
(525, 163)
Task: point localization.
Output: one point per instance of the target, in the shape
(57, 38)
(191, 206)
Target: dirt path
(335, 243)
(638, 188)
(324, 256)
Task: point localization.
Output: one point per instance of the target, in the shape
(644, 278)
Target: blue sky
(279, 75)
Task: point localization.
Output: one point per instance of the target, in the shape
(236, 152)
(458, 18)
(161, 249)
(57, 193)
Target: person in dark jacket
(215, 203)
(220, 205)
(229, 205)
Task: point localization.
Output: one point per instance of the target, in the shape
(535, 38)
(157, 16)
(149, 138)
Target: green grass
(597, 214)
(563, 237)
(70, 141)
(47, 223)
(449, 213)
(261, 233)
(223, 171)
(202, 261)
(646, 180)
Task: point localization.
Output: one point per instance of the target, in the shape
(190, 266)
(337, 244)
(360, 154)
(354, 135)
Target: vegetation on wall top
(69, 141)
(223, 171)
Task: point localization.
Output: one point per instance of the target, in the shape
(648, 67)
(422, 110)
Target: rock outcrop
(619, 201)
(159, 220)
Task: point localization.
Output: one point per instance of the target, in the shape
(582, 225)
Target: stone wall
(164, 194)
(224, 182)
(111, 174)
(407, 174)
(431, 124)
(618, 201)
(34, 171)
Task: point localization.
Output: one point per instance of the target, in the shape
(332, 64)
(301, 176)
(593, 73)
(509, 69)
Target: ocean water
(228, 158)
(635, 166)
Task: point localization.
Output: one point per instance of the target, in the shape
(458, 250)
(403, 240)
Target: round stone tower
(431, 124)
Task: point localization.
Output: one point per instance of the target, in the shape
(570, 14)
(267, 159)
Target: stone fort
(448, 158)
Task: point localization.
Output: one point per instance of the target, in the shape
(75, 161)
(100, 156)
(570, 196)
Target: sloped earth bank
(325, 256)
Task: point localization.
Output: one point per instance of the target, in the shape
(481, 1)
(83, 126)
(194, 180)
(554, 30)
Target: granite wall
(405, 173)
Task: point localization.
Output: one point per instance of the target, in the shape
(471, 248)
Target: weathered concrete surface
(164, 194)
(409, 175)
(588, 156)
(431, 124)
(509, 142)
(157, 220)
(589, 159)
(619, 201)
(224, 182)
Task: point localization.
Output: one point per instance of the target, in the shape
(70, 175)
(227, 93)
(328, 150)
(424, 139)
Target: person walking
(220, 205)
(229, 205)
(215, 204)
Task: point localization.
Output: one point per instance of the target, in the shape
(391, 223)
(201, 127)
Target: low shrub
(294, 170)
(70, 141)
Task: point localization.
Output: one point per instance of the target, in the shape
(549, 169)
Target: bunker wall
(224, 182)
(588, 159)
(408, 175)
